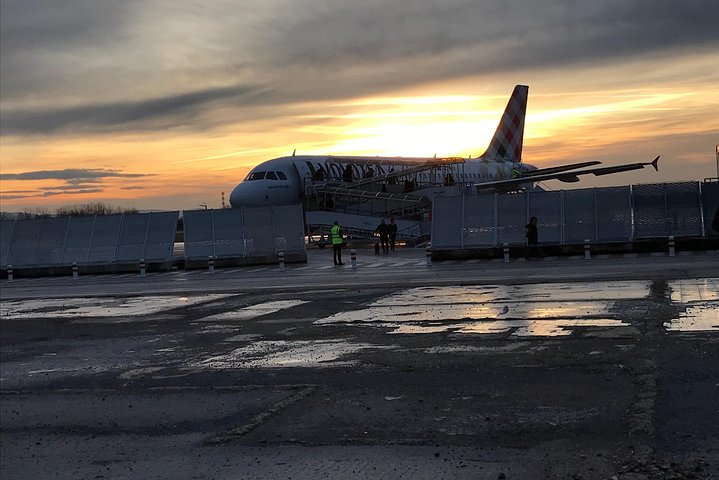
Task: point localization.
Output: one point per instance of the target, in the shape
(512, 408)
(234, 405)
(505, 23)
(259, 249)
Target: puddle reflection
(280, 354)
(694, 290)
(253, 311)
(97, 307)
(548, 310)
(553, 292)
(426, 312)
(697, 318)
(701, 298)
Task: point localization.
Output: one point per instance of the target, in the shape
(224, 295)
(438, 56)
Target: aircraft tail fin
(506, 144)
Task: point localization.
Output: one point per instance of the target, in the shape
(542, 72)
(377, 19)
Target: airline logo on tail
(506, 144)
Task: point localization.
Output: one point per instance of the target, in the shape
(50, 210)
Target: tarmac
(560, 367)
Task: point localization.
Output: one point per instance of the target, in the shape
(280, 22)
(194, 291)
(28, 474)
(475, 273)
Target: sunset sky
(164, 104)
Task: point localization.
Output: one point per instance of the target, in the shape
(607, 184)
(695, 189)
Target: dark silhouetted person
(392, 233)
(347, 174)
(532, 239)
(383, 231)
(391, 177)
(336, 238)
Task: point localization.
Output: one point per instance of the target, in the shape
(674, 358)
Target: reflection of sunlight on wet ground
(701, 297)
(694, 290)
(253, 311)
(98, 307)
(498, 293)
(545, 310)
(281, 353)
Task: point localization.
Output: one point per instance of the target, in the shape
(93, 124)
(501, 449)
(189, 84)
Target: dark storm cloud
(155, 113)
(299, 51)
(49, 24)
(495, 35)
(69, 175)
(41, 41)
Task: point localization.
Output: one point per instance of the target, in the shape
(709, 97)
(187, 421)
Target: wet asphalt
(555, 368)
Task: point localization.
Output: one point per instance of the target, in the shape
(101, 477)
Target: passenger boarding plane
(285, 180)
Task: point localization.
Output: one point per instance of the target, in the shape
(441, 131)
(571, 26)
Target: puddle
(246, 337)
(553, 292)
(547, 310)
(254, 311)
(422, 311)
(518, 328)
(97, 307)
(701, 298)
(697, 318)
(694, 290)
(282, 354)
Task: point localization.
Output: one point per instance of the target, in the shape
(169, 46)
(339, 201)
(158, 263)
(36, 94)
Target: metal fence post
(9, 273)
(672, 251)
(211, 264)
(75, 270)
(281, 259)
(142, 267)
(505, 249)
(587, 249)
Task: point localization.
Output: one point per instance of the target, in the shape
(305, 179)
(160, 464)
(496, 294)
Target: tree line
(84, 210)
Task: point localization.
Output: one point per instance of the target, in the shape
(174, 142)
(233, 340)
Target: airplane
(287, 180)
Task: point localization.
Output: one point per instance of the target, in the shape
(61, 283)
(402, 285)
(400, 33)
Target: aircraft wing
(558, 173)
(561, 168)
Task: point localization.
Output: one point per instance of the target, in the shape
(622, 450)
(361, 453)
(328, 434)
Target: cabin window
(255, 176)
(271, 176)
(281, 176)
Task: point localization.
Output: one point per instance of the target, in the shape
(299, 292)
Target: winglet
(293, 152)
(655, 163)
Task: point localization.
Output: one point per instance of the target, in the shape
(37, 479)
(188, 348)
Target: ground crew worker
(383, 230)
(336, 237)
(392, 229)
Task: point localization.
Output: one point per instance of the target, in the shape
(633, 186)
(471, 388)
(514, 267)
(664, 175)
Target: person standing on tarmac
(336, 238)
(392, 233)
(532, 239)
(383, 230)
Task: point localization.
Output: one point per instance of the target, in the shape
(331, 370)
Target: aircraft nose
(242, 195)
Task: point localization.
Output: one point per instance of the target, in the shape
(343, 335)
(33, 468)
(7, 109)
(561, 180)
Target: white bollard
(211, 264)
(672, 251)
(281, 259)
(587, 249)
(142, 267)
(75, 270)
(9, 273)
(505, 250)
(353, 258)
(428, 254)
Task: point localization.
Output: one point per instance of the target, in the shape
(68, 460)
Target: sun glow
(181, 170)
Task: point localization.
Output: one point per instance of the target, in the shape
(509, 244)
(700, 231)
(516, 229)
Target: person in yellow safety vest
(336, 237)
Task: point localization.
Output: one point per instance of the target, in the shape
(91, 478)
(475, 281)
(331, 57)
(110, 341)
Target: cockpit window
(281, 176)
(271, 176)
(255, 176)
